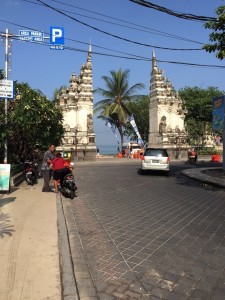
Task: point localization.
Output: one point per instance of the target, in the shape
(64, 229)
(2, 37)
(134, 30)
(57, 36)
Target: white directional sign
(57, 47)
(31, 35)
(6, 88)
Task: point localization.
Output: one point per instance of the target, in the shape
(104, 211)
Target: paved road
(145, 236)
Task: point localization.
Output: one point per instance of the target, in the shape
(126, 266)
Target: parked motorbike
(31, 172)
(68, 186)
(192, 160)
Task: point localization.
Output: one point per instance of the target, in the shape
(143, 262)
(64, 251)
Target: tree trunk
(120, 129)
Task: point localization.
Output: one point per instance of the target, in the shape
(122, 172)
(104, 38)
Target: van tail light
(142, 157)
(168, 160)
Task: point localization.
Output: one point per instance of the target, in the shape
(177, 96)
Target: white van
(132, 146)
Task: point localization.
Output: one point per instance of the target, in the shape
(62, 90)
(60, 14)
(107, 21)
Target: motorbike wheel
(33, 180)
(28, 180)
(72, 194)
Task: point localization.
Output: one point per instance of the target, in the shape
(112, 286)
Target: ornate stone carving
(90, 123)
(177, 129)
(78, 127)
(70, 140)
(162, 125)
(66, 127)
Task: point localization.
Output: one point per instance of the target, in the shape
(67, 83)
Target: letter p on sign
(56, 35)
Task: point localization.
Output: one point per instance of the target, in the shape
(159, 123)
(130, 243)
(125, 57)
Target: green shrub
(16, 168)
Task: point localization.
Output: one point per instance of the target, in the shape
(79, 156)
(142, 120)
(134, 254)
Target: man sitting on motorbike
(192, 154)
(58, 164)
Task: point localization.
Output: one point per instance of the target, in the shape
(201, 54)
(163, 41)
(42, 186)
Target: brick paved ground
(145, 237)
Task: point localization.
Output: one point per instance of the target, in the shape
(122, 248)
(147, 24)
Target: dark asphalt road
(145, 236)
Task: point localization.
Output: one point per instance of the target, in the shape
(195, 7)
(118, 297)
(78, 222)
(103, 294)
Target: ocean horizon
(107, 149)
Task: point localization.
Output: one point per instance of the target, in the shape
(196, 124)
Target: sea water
(107, 149)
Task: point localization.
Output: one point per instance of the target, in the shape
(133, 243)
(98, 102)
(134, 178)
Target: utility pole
(7, 46)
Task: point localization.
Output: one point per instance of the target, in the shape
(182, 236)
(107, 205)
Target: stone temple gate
(76, 103)
(166, 114)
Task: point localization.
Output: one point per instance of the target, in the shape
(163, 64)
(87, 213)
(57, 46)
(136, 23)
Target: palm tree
(117, 93)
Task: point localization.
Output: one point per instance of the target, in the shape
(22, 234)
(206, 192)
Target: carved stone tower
(166, 113)
(76, 102)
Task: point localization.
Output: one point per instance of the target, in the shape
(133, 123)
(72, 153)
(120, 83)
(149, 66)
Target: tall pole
(223, 133)
(76, 158)
(6, 102)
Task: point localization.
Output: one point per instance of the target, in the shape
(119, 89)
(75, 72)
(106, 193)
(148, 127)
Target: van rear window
(156, 152)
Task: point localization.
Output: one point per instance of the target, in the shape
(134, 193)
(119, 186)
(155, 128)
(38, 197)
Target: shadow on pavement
(5, 227)
(6, 201)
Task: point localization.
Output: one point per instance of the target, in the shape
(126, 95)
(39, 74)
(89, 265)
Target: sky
(122, 34)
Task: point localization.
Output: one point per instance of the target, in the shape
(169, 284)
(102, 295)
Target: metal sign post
(6, 101)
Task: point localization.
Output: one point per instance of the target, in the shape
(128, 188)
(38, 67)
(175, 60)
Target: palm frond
(116, 93)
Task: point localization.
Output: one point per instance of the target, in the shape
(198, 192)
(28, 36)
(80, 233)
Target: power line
(140, 27)
(124, 57)
(173, 13)
(104, 48)
(116, 36)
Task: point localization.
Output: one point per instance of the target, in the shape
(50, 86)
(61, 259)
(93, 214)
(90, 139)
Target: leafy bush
(16, 169)
(208, 151)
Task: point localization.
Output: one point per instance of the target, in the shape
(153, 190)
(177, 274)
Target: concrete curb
(17, 179)
(84, 281)
(69, 286)
(198, 174)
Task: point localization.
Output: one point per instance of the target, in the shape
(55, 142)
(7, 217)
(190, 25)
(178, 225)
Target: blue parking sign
(56, 35)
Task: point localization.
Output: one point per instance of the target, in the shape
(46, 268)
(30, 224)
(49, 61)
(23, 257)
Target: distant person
(194, 153)
(38, 157)
(30, 157)
(189, 153)
(45, 167)
(129, 153)
(97, 152)
(218, 140)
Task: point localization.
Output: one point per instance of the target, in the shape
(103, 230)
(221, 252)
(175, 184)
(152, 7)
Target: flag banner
(218, 112)
(133, 124)
(113, 128)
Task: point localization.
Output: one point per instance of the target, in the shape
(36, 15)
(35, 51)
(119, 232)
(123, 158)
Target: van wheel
(141, 172)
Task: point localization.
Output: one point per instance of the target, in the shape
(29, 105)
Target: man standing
(45, 167)
(38, 157)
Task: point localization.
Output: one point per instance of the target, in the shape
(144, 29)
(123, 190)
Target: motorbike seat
(68, 176)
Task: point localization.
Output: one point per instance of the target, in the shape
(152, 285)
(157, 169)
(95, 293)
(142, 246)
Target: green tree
(198, 119)
(116, 95)
(140, 110)
(32, 118)
(217, 37)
